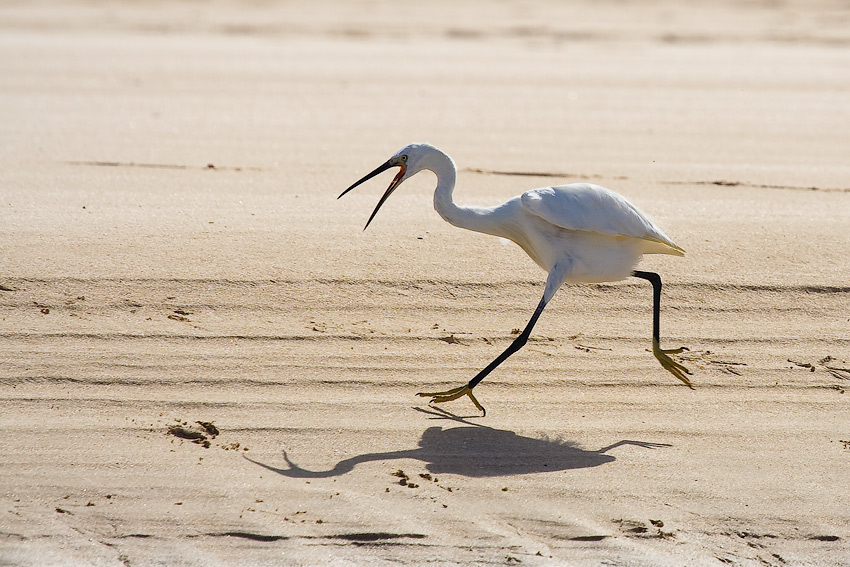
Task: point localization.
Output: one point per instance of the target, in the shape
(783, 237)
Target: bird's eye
(403, 158)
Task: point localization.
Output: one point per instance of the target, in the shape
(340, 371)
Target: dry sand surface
(172, 252)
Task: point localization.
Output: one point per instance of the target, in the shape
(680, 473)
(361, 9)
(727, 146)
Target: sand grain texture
(172, 254)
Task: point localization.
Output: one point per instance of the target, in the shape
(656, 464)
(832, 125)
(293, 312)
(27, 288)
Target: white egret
(578, 233)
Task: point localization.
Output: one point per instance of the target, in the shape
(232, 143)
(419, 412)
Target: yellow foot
(673, 367)
(453, 394)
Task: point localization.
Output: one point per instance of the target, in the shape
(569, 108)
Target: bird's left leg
(676, 369)
(557, 275)
(518, 343)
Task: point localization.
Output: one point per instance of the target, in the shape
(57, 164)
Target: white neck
(470, 218)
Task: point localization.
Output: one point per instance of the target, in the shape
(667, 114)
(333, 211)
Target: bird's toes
(678, 370)
(446, 396)
(449, 395)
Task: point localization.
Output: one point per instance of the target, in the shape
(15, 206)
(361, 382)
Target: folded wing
(588, 207)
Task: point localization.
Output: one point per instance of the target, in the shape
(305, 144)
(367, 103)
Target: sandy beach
(205, 360)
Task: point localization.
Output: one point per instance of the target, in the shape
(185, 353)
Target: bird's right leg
(518, 343)
(662, 355)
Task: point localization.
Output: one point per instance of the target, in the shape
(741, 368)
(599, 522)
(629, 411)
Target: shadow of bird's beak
(393, 185)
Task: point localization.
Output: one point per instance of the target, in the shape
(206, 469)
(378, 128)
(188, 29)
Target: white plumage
(585, 206)
(578, 233)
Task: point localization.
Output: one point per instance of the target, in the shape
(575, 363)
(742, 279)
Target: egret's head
(408, 160)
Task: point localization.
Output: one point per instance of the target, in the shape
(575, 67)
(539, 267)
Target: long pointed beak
(393, 185)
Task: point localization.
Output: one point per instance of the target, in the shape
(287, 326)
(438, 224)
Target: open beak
(395, 183)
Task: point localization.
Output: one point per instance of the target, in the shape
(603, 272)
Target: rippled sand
(204, 360)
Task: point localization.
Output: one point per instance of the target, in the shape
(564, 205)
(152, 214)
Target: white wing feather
(588, 207)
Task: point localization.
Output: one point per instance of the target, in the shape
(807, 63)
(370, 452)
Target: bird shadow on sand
(474, 450)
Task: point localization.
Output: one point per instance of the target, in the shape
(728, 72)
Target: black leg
(655, 280)
(676, 369)
(517, 344)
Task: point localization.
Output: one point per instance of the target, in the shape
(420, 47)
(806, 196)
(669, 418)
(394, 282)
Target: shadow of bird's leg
(518, 343)
(643, 444)
(676, 369)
